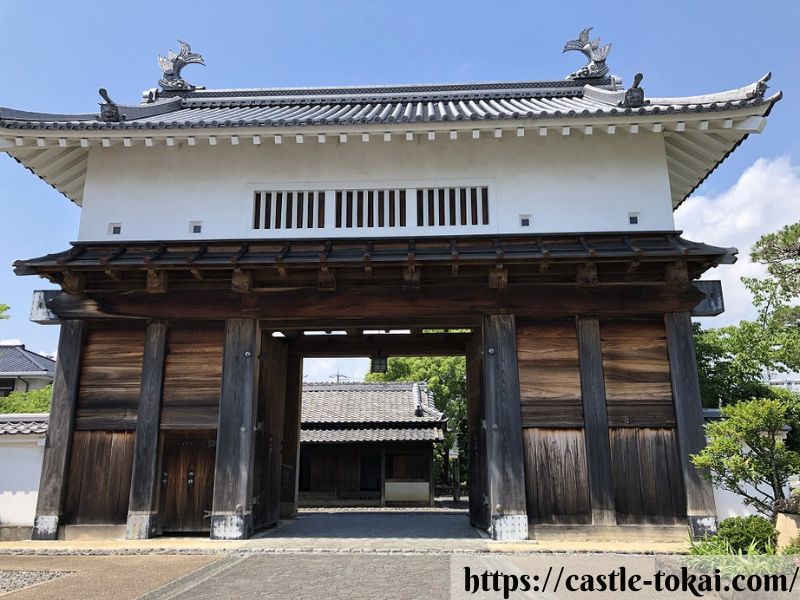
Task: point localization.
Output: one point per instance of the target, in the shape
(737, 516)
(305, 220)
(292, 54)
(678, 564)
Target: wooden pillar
(595, 416)
(383, 475)
(291, 438)
(55, 463)
(142, 509)
(504, 448)
(431, 478)
(700, 508)
(232, 512)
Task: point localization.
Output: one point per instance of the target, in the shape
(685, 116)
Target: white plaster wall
(20, 468)
(730, 505)
(33, 383)
(586, 183)
(407, 491)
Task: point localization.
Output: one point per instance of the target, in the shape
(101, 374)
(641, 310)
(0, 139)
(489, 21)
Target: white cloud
(11, 342)
(765, 198)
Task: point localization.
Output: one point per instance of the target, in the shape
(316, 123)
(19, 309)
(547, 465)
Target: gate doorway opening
(371, 454)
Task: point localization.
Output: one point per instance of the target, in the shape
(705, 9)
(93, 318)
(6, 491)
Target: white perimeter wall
(20, 468)
(29, 384)
(585, 183)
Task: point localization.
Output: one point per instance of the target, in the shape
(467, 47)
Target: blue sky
(57, 54)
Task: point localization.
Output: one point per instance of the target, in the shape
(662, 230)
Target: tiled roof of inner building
(367, 403)
(385, 434)
(17, 359)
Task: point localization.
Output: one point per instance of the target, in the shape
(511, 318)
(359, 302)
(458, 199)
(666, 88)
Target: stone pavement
(101, 577)
(315, 576)
(321, 554)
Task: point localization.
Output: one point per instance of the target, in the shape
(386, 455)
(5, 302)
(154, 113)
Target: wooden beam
(598, 446)
(58, 443)
(291, 438)
(425, 344)
(142, 507)
(700, 508)
(505, 457)
(232, 512)
(372, 305)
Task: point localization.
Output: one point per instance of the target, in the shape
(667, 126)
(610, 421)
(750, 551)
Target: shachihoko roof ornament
(172, 66)
(597, 54)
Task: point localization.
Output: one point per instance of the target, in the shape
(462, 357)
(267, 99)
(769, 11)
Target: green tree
(745, 453)
(732, 360)
(4, 308)
(446, 377)
(35, 401)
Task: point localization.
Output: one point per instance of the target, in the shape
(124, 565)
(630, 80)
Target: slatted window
(370, 208)
(376, 208)
(451, 207)
(303, 209)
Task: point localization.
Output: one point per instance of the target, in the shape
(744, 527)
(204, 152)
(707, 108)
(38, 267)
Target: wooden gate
(187, 480)
(478, 485)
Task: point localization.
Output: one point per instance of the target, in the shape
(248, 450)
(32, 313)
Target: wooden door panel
(187, 480)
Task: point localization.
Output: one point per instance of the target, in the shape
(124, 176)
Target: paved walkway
(425, 531)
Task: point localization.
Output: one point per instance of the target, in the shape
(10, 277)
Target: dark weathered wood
(374, 305)
(476, 427)
(556, 479)
(55, 463)
(142, 510)
(291, 438)
(186, 480)
(272, 400)
(636, 373)
(111, 369)
(504, 429)
(192, 375)
(700, 507)
(424, 344)
(231, 516)
(549, 377)
(598, 451)
(648, 486)
(98, 485)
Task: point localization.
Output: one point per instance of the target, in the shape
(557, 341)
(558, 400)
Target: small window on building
(6, 387)
(524, 220)
(633, 218)
(196, 226)
(114, 228)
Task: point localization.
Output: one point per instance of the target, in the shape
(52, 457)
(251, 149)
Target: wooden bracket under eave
(156, 282)
(326, 280)
(499, 277)
(412, 276)
(587, 274)
(241, 280)
(676, 273)
(73, 282)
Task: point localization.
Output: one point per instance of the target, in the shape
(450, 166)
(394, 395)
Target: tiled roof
(369, 412)
(23, 423)
(384, 105)
(305, 256)
(367, 403)
(16, 359)
(384, 434)
(599, 103)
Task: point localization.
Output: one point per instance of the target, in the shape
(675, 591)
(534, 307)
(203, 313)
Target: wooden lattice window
(301, 209)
